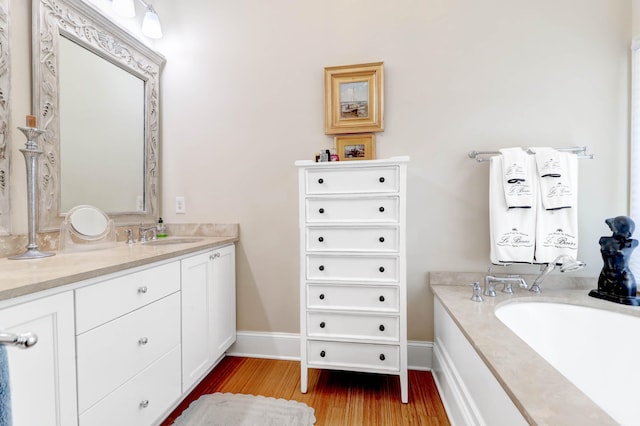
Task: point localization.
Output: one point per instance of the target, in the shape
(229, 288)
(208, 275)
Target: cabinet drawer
(352, 268)
(143, 399)
(353, 356)
(378, 239)
(353, 297)
(104, 301)
(360, 210)
(353, 326)
(114, 352)
(366, 179)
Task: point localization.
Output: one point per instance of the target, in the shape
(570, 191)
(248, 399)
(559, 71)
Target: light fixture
(150, 23)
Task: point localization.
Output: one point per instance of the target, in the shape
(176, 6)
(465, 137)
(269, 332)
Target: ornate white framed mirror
(96, 96)
(5, 115)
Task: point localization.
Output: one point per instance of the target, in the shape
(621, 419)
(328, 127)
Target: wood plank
(338, 397)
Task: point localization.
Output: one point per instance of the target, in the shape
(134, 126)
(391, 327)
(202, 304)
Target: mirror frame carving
(87, 26)
(5, 116)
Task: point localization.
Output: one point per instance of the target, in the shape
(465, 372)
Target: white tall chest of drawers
(353, 289)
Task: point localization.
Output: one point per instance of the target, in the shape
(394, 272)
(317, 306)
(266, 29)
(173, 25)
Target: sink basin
(168, 241)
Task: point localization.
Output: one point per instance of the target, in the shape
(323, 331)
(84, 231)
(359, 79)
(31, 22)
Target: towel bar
(580, 151)
(22, 340)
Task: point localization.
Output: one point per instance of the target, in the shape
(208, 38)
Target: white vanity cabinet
(208, 311)
(128, 347)
(353, 297)
(42, 377)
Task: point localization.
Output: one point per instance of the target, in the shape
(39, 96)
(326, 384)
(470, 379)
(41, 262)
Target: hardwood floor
(338, 397)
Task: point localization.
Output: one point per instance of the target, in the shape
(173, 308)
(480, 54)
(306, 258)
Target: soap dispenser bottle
(161, 229)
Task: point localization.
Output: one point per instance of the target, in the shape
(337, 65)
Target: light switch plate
(181, 207)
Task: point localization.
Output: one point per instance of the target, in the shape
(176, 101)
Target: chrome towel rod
(580, 151)
(23, 340)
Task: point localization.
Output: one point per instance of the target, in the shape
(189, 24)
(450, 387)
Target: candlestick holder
(31, 154)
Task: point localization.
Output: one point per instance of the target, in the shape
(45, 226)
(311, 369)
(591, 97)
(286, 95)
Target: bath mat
(229, 409)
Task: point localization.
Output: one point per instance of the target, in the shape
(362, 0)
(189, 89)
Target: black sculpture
(616, 282)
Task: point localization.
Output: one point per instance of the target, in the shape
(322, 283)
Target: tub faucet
(490, 284)
(143, 233)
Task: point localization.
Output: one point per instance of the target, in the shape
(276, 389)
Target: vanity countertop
(541, 393)
(24, 277)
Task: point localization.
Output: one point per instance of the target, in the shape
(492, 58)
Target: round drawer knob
(381, 269)
(381, 328)
(381, 298)
(322, 324)
(381, 180)
(321, 239)
(322, 354)
(321, 297)
(321, 267)
(382, 357)
(144, 403)
(381, 239)
(143, 341)
(320, 181)
(381, 209)
(142, 290)
(321, 210)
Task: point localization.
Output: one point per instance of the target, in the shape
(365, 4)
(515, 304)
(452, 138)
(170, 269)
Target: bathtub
(523, 370)
(596, 349)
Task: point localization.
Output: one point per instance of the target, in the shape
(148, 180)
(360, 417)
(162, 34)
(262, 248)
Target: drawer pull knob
(321, 267)
(381, 239)
(381, 209)
(144, 403)
(142, 290)
(322, 354)
(214, 256)
(382, 357)
(381, 327)
(321, 210)
(320, 181)
(381, 180)
(143, 341)
(321, 297)
(381, 298)
(321, 239)
(381, 269)
(322, 324)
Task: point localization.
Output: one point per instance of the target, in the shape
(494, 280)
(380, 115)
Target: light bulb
(124, 8)
(151, 24)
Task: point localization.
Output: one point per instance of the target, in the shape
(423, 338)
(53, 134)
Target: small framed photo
(354, 98)
(356, 147)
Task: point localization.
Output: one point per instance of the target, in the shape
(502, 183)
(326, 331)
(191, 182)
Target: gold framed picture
(354, 98)
(356, 147)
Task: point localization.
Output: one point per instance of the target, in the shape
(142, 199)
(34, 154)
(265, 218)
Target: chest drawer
(353, 297)
(353, 326)
(352, 268)
(104, 301)
(360, 210)
(378, 239)
(366, 179)
(141, 337)
(353, 356)
(143, 399)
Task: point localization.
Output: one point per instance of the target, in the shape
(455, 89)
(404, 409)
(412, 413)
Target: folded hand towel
(5, 394)
(557, 230)
(517, 178)
(512, 231)
(557, 183)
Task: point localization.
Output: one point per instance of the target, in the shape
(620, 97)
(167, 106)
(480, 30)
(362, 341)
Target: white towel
(557, 183)
(512, 230)
(518, 178)
(557, 230)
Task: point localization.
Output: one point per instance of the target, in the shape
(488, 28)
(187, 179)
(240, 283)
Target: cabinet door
(224, 299)
(43, 377)
(197, 320)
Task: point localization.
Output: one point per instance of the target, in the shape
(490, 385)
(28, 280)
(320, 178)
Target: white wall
(243, 99)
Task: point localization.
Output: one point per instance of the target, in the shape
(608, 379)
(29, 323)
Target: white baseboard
(287, 346)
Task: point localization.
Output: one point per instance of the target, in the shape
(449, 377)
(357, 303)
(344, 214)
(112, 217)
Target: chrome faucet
(143, 233)
(490, 284)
